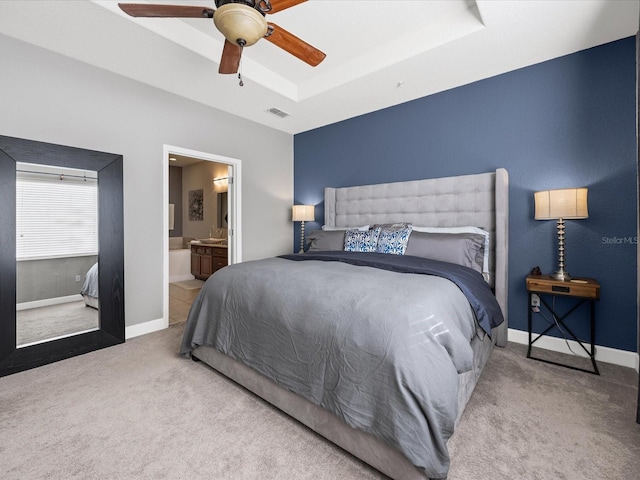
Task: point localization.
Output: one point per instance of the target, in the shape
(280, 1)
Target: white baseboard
(603, 354)
(47, 302)
(144, 328)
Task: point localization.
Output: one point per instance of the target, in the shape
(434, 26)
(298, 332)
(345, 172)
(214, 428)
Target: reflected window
(56, 212)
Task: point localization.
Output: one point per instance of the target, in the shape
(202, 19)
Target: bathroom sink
(211, 241)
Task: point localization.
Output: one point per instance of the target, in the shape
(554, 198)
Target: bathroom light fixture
(563, 204)
(302, 213)
(221, 182)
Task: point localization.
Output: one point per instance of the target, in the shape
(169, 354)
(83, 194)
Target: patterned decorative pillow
(359, 241)
(394, 241)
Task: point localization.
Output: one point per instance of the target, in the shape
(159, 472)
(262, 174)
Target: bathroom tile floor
(180, 301)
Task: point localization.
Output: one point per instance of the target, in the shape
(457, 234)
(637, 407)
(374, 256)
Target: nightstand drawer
(583, 287)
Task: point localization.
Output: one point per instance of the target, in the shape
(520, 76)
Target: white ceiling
(379, 52)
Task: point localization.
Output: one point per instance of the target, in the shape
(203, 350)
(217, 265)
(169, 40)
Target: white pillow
(485, 260)
(363, 228)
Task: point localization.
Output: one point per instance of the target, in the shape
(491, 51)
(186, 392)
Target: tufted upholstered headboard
(480, 200)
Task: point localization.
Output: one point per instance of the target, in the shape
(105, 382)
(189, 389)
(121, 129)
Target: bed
(89, 290)
(332, 368)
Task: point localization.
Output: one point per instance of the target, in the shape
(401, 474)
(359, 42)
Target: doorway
(202, 222)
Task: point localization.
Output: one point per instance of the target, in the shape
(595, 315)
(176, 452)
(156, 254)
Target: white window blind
(56, 212)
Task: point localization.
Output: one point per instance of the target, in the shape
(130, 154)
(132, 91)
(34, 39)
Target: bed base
(90, 301)
(362, 445)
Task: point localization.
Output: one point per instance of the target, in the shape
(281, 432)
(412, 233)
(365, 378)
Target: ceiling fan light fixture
(240, 24)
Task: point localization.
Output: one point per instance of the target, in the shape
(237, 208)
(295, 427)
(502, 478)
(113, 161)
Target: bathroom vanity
(207, 259)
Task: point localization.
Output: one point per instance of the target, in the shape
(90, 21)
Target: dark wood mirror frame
(110, 252)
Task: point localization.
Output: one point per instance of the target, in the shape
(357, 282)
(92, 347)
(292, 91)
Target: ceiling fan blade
(279, 5)
(171, 11)
(294, 45)
(230, 61)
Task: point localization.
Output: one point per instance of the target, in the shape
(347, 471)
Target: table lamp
(563, 204)
(302, 213)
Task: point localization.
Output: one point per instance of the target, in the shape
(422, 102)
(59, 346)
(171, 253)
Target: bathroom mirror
(106, 327)
(222, 221)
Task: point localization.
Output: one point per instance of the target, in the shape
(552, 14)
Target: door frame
(234, 206)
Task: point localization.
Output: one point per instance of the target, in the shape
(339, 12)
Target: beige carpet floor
(43, 323)
(139, 411)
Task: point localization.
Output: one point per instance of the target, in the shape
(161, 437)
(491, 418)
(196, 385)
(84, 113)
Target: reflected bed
(89, 290)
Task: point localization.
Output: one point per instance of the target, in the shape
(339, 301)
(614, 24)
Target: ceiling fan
(242, 22)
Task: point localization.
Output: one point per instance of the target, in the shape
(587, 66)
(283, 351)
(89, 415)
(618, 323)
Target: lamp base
(301, 237)
(561, 275)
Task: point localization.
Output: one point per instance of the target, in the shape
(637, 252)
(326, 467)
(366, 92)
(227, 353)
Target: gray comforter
(380, 349)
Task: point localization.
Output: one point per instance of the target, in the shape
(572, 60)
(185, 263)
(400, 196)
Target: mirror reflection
(56, 253)
(223, 217)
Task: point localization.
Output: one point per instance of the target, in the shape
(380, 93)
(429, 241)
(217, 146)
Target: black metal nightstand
(583, 290)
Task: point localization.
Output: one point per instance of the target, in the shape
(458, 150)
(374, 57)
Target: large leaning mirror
(61, 253)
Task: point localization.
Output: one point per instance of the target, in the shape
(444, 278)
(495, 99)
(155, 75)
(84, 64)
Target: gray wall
(51, 278)
(48, 97)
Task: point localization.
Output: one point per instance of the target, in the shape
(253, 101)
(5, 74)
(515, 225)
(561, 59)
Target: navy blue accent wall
(567, 122)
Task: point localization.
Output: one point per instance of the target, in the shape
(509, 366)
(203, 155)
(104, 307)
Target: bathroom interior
(198, 243)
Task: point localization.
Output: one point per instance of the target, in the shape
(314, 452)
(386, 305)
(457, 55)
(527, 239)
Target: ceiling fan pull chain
(241, 83)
